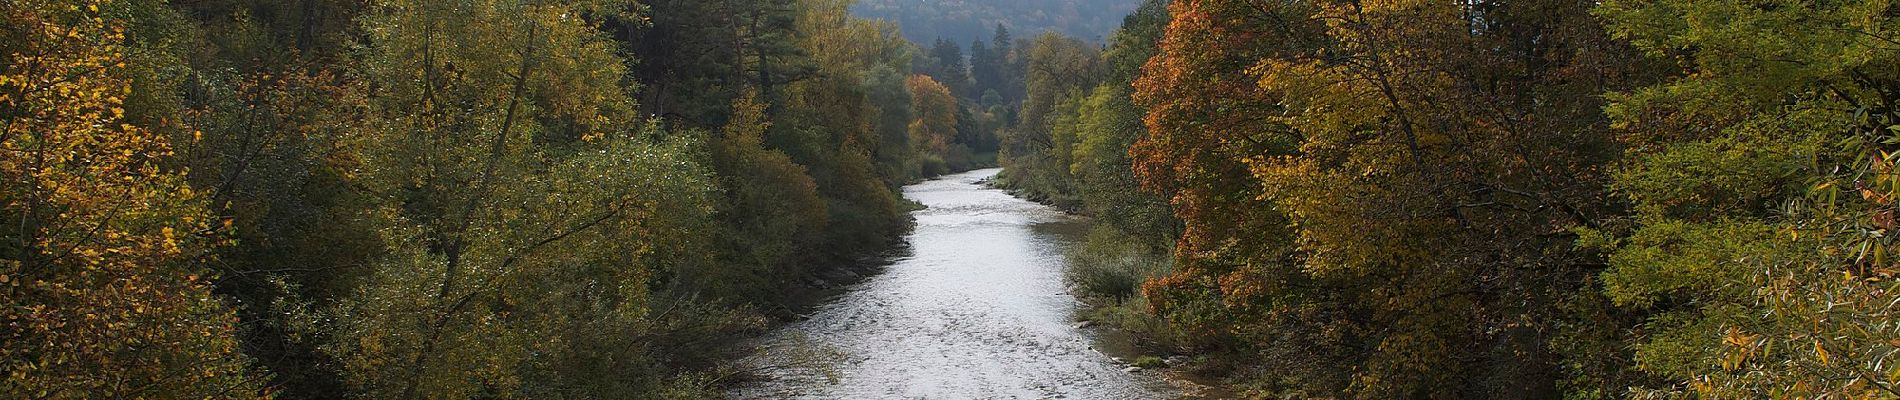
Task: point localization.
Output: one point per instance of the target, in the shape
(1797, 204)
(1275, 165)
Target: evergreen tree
(696, 57)
(953, 71)
(986, 71)
(1010, 68)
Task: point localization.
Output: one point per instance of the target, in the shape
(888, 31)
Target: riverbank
(1105, 273)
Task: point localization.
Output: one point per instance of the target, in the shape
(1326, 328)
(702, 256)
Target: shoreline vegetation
(415, 199)
(1622, 199)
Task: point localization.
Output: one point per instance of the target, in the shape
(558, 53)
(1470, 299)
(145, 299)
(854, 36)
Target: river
(976, 309)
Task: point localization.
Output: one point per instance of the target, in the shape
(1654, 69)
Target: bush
(1149, 332)
(1149, 362)
(1111, 264)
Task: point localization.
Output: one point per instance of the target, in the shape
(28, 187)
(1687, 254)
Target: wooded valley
(605, 198)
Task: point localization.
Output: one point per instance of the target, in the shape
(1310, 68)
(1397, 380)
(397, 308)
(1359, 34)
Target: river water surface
(977, 309)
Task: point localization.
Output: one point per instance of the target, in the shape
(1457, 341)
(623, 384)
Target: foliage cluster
(427, 199)
(1426, 199)
(1070, 149)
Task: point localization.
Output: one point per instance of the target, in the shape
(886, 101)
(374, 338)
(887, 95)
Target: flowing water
(977, 309)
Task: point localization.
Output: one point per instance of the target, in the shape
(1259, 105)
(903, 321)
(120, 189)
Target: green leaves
(1037, 151)
(1762, 197)
(525, 205)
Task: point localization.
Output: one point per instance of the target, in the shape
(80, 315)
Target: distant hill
(965, 20)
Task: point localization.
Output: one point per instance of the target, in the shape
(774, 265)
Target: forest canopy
(424, 199)
(1424, 199)
(605, 198)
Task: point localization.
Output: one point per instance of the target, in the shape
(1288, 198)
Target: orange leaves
(1399, 162)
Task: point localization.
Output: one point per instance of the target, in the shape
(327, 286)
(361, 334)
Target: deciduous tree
(1762, 184)
(104, 290)
(524, 207)
(934, 127)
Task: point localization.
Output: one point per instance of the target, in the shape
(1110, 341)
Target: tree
(1762, 188)
(271, 161)
(1135, 42)
(1106, 124)
(106, 293)
(696, 57)
(1406, 175)
(409, 199)
(1109, 123)
(934, 126)
(887, 95)
(1039, 148)
(1010, 59)
(953, 71)
(523, 208)
(986, 71)
(769, 208)
(1091, 20)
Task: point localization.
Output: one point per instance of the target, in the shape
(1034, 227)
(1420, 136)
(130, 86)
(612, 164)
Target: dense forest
(605, 198)
(1531, 199)
(426, 199)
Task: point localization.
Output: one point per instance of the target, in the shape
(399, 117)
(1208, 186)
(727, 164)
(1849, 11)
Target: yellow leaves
(1820, 352)
(105, 290)
(1744, 346)
(1735, 337)
(1391, 5)
(1297, 78)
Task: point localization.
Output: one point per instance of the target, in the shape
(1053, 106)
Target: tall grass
(1108, 270)
(1112, 265)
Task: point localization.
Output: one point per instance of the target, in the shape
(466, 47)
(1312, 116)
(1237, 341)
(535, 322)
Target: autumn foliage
(103, 268)
(422, 199)
(604, 198)
(1527, 199)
